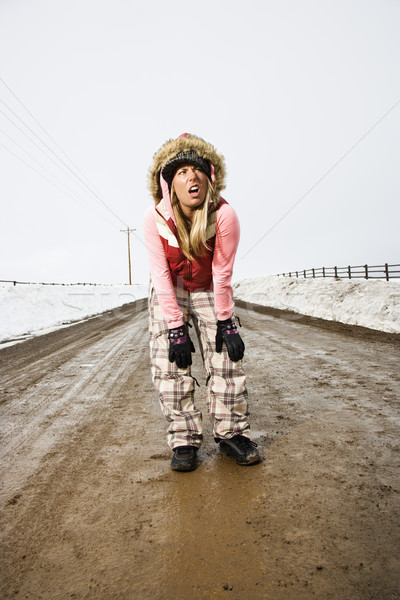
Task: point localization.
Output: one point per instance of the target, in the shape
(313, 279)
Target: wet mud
(91, 510)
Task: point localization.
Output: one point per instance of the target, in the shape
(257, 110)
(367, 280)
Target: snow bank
(369, 303)
(34, 309)
(37, 308)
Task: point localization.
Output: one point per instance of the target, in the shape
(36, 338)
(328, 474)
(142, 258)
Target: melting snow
(33, 309)
(27, 309)
(368, 303)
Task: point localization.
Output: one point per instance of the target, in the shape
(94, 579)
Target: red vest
(191, 275)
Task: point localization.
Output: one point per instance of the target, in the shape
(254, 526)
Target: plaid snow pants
(227, 399)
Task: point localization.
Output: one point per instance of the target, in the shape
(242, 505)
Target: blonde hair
(192, 236)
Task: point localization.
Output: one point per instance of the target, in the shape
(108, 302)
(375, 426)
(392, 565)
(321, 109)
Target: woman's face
(190, 185)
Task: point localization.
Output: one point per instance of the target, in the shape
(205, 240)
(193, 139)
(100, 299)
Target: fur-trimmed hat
(171, 153)
(184, 158)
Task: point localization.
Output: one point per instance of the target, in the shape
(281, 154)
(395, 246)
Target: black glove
(180, 347)
(227, 332)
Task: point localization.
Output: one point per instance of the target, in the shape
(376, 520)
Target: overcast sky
(302, 97)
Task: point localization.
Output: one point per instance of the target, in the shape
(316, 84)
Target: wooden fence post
(349, 271)
(387, 271)
(366, 271)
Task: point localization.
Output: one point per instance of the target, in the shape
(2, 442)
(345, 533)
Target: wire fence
(47, 283)
(385, 271)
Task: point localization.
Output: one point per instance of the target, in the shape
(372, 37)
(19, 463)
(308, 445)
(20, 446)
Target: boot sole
(184, 467)
(250, 461)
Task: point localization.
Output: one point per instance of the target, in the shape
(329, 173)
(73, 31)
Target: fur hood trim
(184, 143)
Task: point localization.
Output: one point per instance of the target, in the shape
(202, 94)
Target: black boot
(184, 458)
(241, 448)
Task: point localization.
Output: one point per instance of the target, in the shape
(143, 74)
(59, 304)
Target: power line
(51, 138)
(78, 177)
(41, 127)
(65, 191)
(322, 177)
(37, 162)
(56, 156)
(28, 153)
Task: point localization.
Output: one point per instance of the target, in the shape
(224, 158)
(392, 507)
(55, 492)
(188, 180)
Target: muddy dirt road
(91, 509)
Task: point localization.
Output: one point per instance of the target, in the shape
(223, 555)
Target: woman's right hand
(180, 347)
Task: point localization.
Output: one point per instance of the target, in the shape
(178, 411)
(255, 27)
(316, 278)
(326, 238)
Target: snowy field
(27, 309)
(33, 309)
(368, 303)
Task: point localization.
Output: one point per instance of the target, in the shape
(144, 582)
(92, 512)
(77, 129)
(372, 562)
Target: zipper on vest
(188, 270)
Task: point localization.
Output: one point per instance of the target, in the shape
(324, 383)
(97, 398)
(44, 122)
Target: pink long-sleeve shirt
(226, 243)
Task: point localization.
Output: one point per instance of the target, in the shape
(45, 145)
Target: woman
(192, 235)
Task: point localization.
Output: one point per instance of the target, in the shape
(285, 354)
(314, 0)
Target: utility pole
(128, 232)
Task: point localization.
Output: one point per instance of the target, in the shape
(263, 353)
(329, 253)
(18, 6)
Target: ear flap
(166, 197)
(212, 173)
(164, 186)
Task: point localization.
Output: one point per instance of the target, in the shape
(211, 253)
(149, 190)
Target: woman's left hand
(228, 333)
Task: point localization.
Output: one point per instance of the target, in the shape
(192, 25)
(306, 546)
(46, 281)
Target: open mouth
(194, 190)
